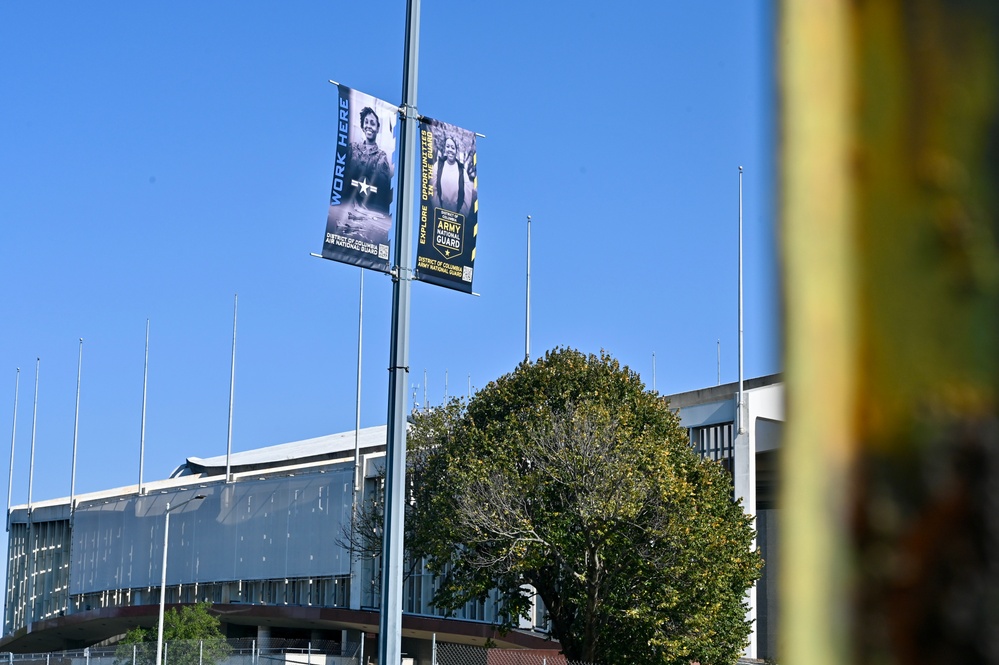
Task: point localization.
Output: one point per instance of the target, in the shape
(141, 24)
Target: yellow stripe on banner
(473, 256)
(475, 229)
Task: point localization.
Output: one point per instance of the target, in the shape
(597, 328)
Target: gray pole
(232, 386)
(390, 617)
(719, 361)
(142, 433)
(357, 396)
(13, 436)
(76, 431)
(527, 328)
(355, 487)
(34, 423)
(741, 415)
(29, 548)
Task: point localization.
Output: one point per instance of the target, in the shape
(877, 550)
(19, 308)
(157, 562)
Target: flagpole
(390, 617)
(232, 388)
(527, 318)
(142, 432)
(29, 545)
(741, 408)
(13, 437)
(357, 394)
(719, 361)
(34, 423)
(76, 431)
(653, 371)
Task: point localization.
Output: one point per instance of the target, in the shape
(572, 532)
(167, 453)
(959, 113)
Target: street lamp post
(166, 540)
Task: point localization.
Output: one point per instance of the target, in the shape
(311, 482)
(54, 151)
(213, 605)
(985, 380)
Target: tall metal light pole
(390, 617)
(166, 541)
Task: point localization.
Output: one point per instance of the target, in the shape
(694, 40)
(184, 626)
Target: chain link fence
(461, 654)
(201, 652)
(285, 652)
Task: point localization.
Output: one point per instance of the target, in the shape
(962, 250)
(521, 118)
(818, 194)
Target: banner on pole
(449, 205)
(359, 222)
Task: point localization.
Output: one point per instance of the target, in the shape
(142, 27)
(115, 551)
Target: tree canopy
(192, 636)
(568, 480)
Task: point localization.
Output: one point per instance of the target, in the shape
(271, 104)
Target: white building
(265, 544)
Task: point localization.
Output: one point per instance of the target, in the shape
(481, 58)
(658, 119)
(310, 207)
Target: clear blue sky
(158, 158)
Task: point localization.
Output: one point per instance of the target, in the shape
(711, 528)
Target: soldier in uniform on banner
(359, 222)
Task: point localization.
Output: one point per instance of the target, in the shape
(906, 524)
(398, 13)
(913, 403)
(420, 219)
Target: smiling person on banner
(371, 169)
(452, 184)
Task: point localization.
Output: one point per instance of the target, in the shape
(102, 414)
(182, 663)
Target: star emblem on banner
(365, 187)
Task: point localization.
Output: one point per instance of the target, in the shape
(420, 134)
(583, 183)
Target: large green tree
(192, 636)
(568, 480)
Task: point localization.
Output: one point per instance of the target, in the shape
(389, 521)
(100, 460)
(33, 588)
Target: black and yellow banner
(359, 222)
(449, 206)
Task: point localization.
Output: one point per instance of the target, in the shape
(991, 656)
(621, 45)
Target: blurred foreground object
(888, 195)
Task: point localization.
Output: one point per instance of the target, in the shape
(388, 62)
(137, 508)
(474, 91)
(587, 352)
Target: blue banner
(359, 222)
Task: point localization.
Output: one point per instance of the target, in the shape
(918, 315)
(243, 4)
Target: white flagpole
(76, 432)
(142, 433)
(30, 547)
(232, 387)
(719, 361)
(527, 318)
(653, 371)
(357, 395)
(13, 436)
(742, 427)
(34, 423)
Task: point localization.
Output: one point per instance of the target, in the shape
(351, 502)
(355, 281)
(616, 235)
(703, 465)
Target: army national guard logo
(449, 205)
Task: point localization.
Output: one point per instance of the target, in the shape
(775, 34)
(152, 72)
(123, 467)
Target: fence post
(253, 652)
(135, 648)
(201, 652)
(165, 645)
(360, 659)
(433, 649)
(308, 656)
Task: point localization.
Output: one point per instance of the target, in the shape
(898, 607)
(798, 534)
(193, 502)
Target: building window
(714, 442)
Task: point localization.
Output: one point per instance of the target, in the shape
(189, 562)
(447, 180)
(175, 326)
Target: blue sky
(158, 158)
